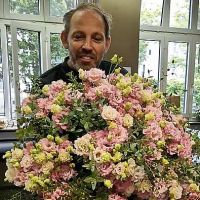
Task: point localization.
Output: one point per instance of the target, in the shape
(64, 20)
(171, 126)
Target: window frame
(15, 62)
(24, 17)
(50, 18)
(51, 29)
(166, 34)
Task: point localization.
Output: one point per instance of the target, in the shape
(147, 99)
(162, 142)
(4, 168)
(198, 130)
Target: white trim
(15, 64)
(166, 13)
(6, 70)
(26, 17)
(190, 78)
(194, 17)
(168, 30)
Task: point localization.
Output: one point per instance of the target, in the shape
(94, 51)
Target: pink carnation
(63, 173)
(105, 169)
(119, 134)
(94, 75)
(47, 145)
(56, 87)
(153, 131)
(115, 197)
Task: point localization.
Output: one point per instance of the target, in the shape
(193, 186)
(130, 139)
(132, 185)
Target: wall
(125, 30)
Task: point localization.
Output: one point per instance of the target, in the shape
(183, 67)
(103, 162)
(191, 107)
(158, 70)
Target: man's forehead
(81, 14)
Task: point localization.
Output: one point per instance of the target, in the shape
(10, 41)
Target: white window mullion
(6, 75)
(43, 51)
(15, 64)
(163, 64)
(194, 14)
(190, 78)
(166, 13)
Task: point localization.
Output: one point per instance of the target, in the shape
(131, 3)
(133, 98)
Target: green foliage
(25, 6)
(83, 118)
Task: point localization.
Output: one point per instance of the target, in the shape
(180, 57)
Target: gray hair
(107, 18)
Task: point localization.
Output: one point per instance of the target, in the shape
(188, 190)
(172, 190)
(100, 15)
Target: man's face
(86, 40)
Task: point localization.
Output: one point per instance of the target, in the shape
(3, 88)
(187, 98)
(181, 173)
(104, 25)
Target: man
(87, 37)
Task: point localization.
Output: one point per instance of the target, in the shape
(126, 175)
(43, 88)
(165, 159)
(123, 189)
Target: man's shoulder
(52, 70)
(108, 67)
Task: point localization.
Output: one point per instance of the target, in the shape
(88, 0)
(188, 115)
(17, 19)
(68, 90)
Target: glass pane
(58, 52)
(59, 7)
(179, 13)
(196, 92)
(151, 12)
(24, 7)
(29, 59)
(149, 59)
(11, 78)
(2, 108)
(177, 67)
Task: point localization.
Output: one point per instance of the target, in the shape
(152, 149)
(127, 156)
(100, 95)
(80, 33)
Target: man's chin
(84, 66)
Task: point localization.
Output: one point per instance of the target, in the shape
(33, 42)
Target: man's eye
(78, 37)
(98, 39)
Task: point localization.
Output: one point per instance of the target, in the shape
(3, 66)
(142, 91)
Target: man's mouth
(86, 58)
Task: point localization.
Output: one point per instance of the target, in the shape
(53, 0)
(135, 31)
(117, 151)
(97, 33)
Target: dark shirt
(59, 72)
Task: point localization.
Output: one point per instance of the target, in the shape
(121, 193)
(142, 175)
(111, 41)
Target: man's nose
(87, 44)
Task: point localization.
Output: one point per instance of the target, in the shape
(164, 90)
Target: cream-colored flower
(64, 156)
(10, 174)
(26, 110)
(82, 75)
(83, 145)
(175, 191)
(109, 113)
(45, 89)
(17, 153)
(128, 120)
(55, 108)
(144, 186)
(47, 167)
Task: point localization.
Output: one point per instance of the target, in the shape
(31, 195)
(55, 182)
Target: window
(177, 67)
(149, 59)
(151, 11)
(196, 91)
(57, 52)
(30, 7)
(59, 8)
(179, 13)
(171, 45)
(24, 10)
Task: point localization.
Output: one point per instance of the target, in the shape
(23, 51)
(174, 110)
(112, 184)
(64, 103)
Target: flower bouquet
(108, 137)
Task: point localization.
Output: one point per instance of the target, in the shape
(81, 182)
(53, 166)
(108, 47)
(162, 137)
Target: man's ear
(108, 42)
(63, 37)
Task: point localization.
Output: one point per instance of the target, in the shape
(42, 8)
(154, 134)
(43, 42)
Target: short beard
(77, 66)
